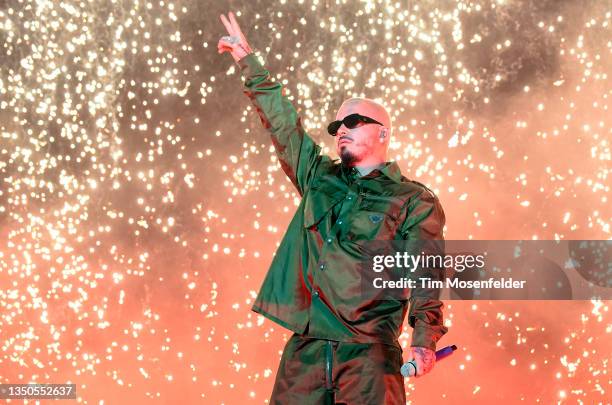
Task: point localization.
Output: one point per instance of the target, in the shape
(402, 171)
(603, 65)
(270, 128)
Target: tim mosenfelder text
(422, 261)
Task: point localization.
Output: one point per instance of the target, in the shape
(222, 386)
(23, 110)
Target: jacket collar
(389, 169)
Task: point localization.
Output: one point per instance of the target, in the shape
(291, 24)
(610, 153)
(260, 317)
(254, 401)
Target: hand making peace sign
(235, 43)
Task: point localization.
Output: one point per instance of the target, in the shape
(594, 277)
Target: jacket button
(329, 240)
(315, 294)
(322, 266)
(339, 222)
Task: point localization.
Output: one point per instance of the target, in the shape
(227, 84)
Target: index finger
(228, 25)
(235, 26)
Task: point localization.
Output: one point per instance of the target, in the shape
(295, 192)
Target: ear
(383, 134)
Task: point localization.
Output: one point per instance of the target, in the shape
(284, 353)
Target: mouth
(344, 141)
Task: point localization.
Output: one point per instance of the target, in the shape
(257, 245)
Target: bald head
(365, 106)
(367, 143)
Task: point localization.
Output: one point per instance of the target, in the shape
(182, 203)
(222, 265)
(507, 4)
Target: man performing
(345, 348)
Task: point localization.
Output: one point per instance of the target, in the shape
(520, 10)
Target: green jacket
(313, 284)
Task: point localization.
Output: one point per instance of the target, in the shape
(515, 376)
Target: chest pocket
(321, 198)
(376, 219)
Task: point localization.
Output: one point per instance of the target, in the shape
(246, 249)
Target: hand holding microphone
(423, 360)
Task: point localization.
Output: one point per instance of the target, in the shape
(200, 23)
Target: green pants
(318, 371)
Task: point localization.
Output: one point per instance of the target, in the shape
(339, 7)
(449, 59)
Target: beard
(347, 157)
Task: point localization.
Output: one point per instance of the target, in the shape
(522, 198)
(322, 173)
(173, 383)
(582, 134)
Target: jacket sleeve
(425, 222)
(299, 156)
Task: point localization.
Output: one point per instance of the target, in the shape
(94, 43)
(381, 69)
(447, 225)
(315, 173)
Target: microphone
(409, 369)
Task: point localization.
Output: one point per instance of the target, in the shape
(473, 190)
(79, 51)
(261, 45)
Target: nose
(341, 131)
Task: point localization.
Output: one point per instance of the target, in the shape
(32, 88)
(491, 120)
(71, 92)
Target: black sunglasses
(350, 121)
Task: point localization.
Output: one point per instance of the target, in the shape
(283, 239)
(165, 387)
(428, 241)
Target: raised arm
(298, 154)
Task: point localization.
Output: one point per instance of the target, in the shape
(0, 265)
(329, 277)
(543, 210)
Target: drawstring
(330, 393)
